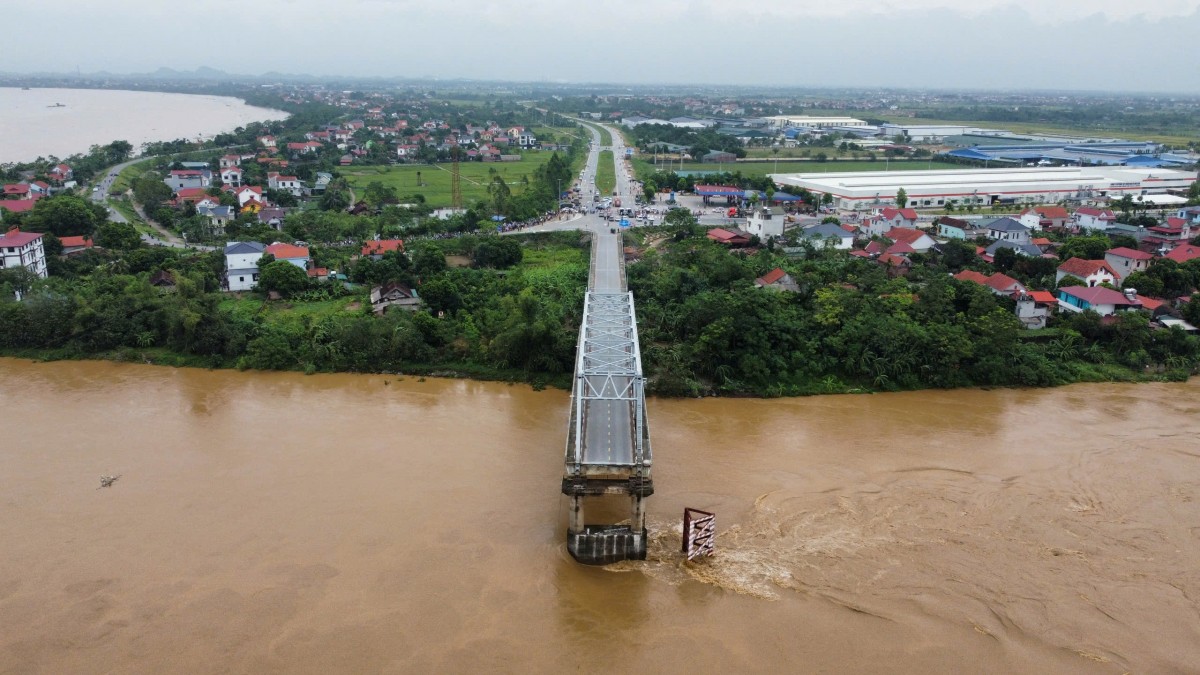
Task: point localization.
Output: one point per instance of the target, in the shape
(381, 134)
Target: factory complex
(865, 190)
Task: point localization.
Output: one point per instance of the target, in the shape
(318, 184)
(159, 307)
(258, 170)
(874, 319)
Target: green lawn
(436, 179)
(606, 173)
(251, 305)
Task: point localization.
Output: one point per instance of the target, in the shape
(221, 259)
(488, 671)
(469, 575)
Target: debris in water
(107, 481)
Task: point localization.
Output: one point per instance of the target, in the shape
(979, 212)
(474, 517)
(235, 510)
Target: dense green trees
(705, 327)
(65, 215)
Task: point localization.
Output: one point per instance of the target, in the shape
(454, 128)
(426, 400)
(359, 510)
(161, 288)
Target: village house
(778, 280)
(728, 237)
(16, 206)
(267, 141)
(1091, 218)
(375, 249)
(232, 175)
(1007, 229)
(75, 244)
(1124, 261)
(23, 249)
(16, 191)
(998, 283)
(1020, 248)
(1034, 308)
(241, 264)
(1168, 235)
(917, 239)
(272, 217)
(163, 279)
(218, 216)
(828, 234)
(766, 222)
(61, 173)
(956, 228)
(1179, 254)
(1091, 272)
(297, 255)
(289, 184)
(1045, 217)
(893, 217)
(393, 294)
(180, 179)
(229, 160)
(1103, 301)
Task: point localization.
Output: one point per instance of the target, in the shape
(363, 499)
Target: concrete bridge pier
(603, 544)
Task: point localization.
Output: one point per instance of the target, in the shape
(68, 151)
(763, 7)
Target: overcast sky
(1116, 45)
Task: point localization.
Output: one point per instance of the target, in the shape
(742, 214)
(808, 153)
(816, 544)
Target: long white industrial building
(873, 189)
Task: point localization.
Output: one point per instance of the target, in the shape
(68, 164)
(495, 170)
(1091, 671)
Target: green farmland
(436, 178)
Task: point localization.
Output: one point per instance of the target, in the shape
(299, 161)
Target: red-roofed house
(1002, 284)
(376, 249)
(1179, 254)
(728, 237)
(61, 173)
(899, 217)
(1124, 261)
(918, 240)
(297, 255)
(972, 275)
(1093, 272)
(16, 191)
(1175, 231)
(779, 280)
(1092, 218)
(17, 205)
(23, 249)
(1045, 217)
(319, 273)
(75, 244)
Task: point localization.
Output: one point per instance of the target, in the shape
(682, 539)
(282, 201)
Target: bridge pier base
(606, 544)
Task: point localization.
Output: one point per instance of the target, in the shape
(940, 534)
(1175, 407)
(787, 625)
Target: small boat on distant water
(56, 105)
(24, 88)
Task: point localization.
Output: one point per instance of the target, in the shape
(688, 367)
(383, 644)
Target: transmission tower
(456, 200)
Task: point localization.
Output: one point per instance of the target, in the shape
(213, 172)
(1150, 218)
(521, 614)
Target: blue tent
(785, 197)
(498, 219)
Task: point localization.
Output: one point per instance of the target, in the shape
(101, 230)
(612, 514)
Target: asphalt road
(608, 437)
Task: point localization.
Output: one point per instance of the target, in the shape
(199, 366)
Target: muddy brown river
(272, 523)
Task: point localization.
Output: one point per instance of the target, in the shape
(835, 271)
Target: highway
(608, 429)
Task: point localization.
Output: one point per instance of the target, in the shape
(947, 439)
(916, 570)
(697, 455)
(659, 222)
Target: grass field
(436, 178)
(606, 173)
(755, 169)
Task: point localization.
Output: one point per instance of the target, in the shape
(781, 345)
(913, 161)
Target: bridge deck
(608, 445)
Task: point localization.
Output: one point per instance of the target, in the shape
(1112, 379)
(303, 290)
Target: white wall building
(867, 190)
(803, 121)
(241, 264)
(765, 224)
(23, 249)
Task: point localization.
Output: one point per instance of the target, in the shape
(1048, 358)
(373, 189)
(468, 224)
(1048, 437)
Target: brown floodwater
(269, 522)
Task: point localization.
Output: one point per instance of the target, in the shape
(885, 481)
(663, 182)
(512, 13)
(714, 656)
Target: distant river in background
(32, 124)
